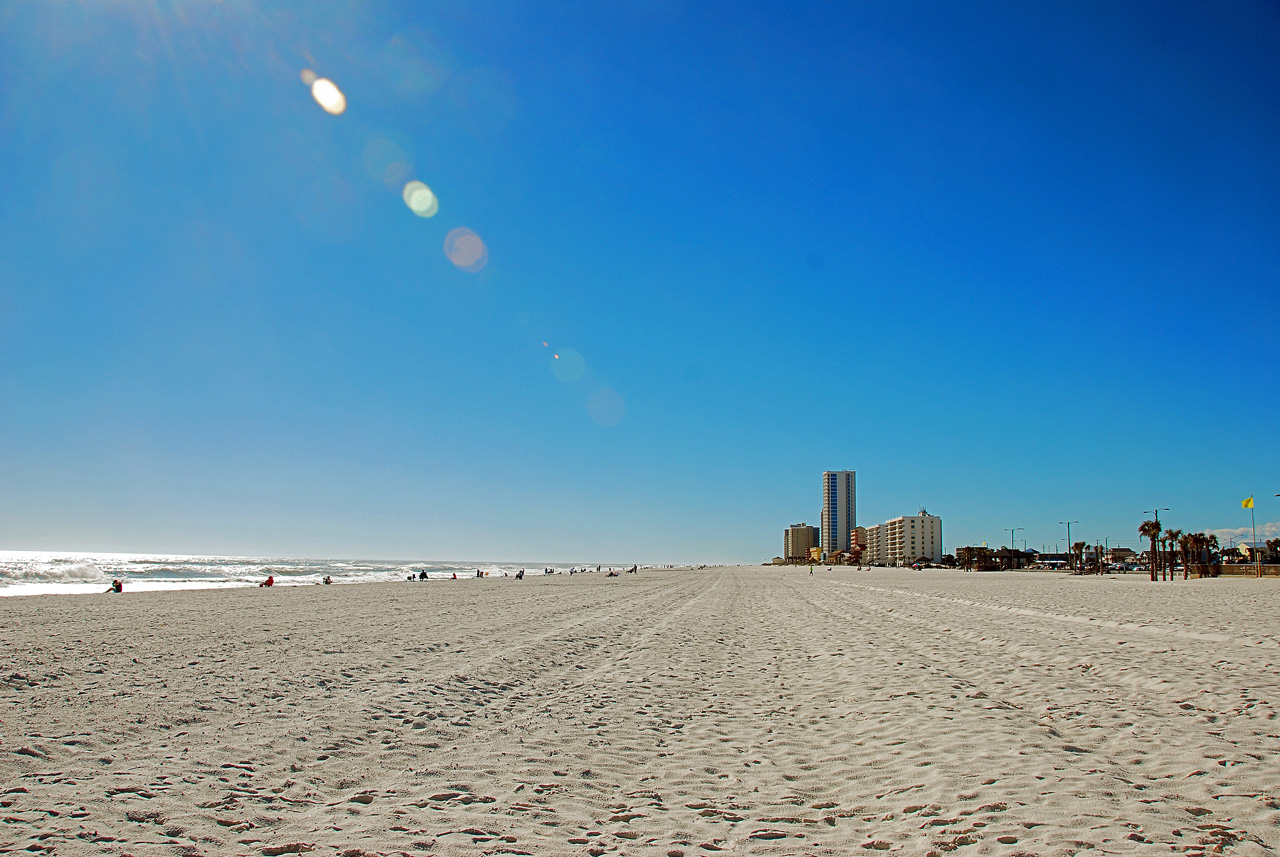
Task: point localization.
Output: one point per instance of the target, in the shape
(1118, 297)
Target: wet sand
(742, 711)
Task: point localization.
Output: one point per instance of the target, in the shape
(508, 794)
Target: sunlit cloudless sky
(1014, 263)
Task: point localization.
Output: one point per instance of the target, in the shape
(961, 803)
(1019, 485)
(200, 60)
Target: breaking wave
(55, 571)
(33, 572)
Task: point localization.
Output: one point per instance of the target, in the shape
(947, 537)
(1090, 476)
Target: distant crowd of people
(422, 575)
(118, 585)
(519, 574)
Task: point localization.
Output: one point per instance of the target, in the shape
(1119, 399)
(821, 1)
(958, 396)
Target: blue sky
(1015, 263)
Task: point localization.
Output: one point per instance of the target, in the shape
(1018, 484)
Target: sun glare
(568, 365)
(465, 249)
(421, 200)
(328, 96)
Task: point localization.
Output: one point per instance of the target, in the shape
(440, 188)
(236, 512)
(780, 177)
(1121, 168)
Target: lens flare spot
(308, 76)
(606, 407)
(386, 162)
(465, 249)
(568, 365)
(420, 199)
(328, 96)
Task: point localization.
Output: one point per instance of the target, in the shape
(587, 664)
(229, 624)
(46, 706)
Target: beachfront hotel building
(838, 510)
(797, 540)
(904, 540)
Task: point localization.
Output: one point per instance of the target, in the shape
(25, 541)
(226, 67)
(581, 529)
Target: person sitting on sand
(422, 575)
(328, 580)
(270, 581)
(116, 586)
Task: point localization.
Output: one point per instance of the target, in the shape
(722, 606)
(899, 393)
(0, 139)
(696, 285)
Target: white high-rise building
(904, 540)
(838, 510)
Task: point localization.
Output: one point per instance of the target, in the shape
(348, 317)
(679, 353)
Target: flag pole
(1257, 555)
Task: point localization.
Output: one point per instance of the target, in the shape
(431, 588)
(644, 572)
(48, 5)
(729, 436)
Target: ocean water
(46, 572)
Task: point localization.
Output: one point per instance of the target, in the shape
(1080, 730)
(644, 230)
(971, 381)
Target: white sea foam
(55, 571)
(35, 572)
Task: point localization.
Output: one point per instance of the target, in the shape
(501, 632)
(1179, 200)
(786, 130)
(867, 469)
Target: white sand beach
(739, 711)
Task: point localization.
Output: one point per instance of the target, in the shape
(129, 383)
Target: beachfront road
(745, 711)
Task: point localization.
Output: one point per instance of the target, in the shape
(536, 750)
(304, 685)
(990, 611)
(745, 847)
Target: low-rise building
(1119, 555)
(977, 558)
(904, 540)
(1255, 551)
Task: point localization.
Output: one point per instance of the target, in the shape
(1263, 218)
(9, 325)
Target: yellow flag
(1248, 504)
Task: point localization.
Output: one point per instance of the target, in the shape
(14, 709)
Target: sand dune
(745, 711)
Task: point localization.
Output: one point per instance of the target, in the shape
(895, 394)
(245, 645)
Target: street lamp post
(1155, 562)
(1013, 542)
(1070, 561)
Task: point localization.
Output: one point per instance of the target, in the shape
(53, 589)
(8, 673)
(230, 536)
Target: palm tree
(1151, 530)
(1187, 544)
(1211, 545)
(1171, 543)
(1078, 550)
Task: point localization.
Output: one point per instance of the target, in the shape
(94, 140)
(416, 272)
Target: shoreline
(38, 572)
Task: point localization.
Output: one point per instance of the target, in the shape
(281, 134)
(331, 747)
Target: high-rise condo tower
(838, 510)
